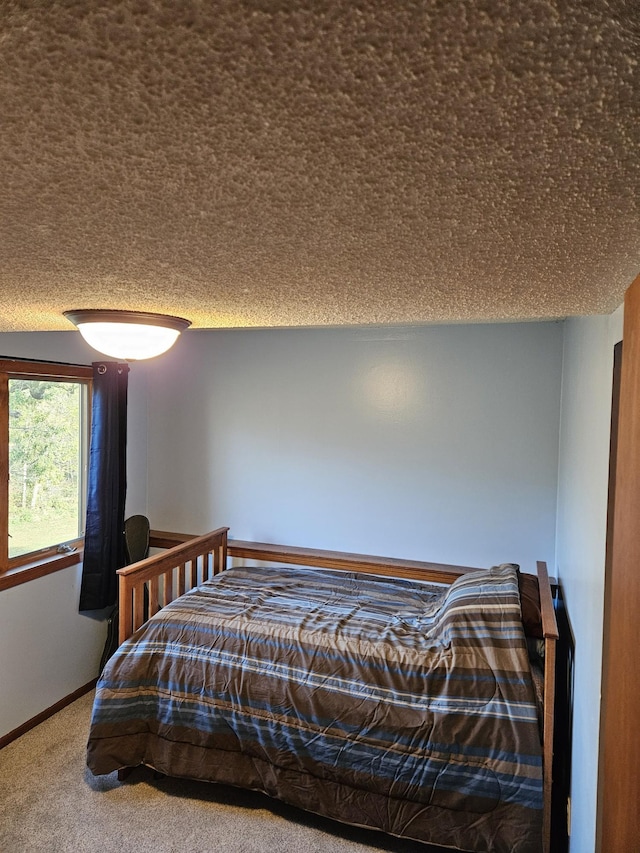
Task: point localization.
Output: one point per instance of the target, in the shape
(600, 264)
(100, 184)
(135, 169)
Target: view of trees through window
(45, 463)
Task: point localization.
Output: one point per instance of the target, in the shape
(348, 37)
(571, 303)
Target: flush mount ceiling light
(127, 335)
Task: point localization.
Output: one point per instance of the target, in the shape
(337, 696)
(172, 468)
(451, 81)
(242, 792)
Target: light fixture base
(127, 335)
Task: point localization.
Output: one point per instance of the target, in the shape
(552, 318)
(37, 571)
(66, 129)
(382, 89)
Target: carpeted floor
(49, 801)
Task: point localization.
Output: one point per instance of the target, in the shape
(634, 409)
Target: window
(44, 433)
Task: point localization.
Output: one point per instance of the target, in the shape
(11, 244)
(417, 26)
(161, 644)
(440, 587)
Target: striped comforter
(388, 703)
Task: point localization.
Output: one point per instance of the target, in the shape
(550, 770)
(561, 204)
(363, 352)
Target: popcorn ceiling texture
(277, 163)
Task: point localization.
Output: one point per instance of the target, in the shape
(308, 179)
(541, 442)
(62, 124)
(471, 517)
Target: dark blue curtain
(104, 542)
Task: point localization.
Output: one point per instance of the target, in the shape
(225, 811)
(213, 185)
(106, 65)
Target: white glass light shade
(127, 335)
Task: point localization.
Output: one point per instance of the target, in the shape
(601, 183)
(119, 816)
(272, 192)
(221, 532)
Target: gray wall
(47, 648)
(582, 516)
(435, 443)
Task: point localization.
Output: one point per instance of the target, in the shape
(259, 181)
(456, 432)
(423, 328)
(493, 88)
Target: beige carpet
(49, 801)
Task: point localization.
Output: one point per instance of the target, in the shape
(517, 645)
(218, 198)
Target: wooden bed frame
(190, 560)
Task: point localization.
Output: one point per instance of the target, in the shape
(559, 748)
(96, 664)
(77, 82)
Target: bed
(397, 695)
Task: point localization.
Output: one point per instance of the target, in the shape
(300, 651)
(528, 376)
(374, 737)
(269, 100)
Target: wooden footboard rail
(319, 558)
(166, 576)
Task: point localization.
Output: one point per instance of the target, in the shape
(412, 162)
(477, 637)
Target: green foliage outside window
(45, 463)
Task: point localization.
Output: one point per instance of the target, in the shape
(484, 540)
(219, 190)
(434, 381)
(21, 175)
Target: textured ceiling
(282, 163)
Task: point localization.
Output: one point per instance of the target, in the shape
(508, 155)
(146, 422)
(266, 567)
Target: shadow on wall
(563, 723)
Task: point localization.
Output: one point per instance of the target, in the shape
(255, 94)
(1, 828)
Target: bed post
(550, 632)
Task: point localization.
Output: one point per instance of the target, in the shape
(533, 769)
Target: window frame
(24, 567)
